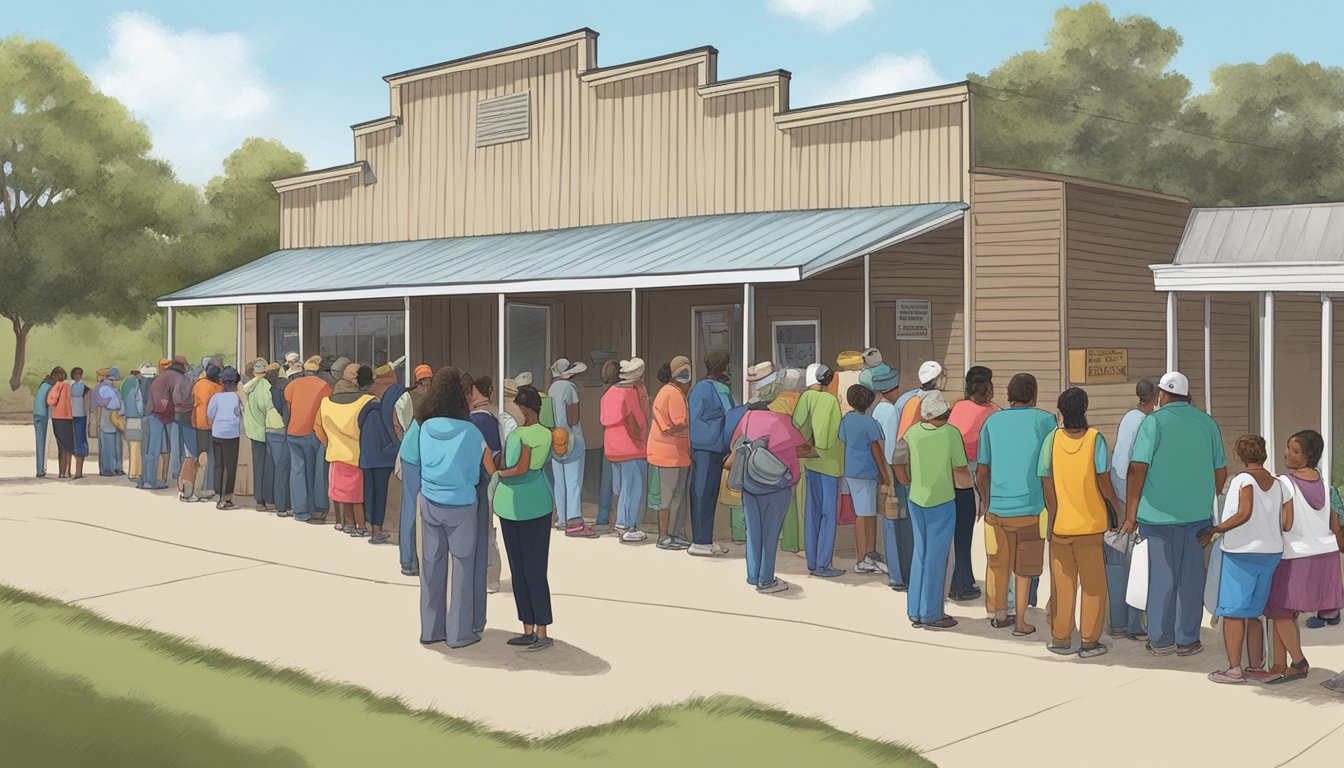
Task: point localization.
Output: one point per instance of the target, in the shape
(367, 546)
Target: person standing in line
(624, 415)
(80, 396)
(1012, 500)
(606, 491)
(1126, 620)
(277, 441)
(337, 428)
(818, 419)
(410, 399)
(107, 399)
(407, 406)
(669, 451)
(202, 392)
(307, 456)
(760, 377)
(1176, 469)
(764, 506)
(567, 469)
(936, 468)
(448, 452)
(62, 421)
(1255, 515)
(709, 402)
(133, 403)
(483, 416)
(161, 418)
(378, 447)
(898, 536)
(1307, 580)
(182, 437)
(42, 418)
(786, 402)
(1073, 471)
(864, 456)
(256, 402)
(292, 365)
(968, 416)
(523, 505)
(224, 412)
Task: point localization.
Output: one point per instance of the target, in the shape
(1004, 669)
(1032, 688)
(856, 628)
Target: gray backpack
(755, 469)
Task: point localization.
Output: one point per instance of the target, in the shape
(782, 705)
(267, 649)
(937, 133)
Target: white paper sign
(914, 319)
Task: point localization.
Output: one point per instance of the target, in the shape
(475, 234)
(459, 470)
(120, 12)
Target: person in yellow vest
(1075, 477)
(337, 428)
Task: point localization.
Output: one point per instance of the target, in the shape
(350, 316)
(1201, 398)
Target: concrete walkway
(636, 626)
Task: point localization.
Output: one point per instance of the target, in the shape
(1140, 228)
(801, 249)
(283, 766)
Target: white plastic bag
(1213, 576)
(1136, 592)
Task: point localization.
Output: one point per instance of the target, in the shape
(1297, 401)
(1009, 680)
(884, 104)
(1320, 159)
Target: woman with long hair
(523, 504)
(225, 413)
(448, 452)
(62, 420)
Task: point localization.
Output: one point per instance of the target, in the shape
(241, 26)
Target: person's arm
(876, 448)
(1051, 501)
(902, 473)
(1219, 480)
(632, 428)
(982, 488)
(900, 462)
(53, 396)
(1245, 505)
(1108, 491)
(521, 466)
(1138, 472)
(211, 410)
(317, 427)
(572, 414)
(1288, 517)
(488, 461)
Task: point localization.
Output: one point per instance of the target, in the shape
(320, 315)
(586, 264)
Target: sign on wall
(1098, 366)
(914, 319)
(795, 343)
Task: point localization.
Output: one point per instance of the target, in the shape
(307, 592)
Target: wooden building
(526, 204)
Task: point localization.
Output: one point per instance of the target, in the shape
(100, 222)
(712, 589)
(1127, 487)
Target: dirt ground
(637, 626)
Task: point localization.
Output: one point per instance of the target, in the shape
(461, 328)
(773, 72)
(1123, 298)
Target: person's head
(1146, 391)
(313, 364)
(1073, 408)
(212, 373)
(259, 367)
(76, 374)
(1304, 450)
(1251, 450)
(228, 377)
(445, 397)
(218, 359)
(933, 406)
(563, 369)
(859, 397)
(818, 376)
(716, 364)
(678, 371)
(979, 383)
(1173, 388)
(528, 401)
(57, 374)
(1022, 389)
(485, 386)
(363, 376)
(611, 371)
(423, 375)
(931, 376)
(350, 372)
(272, 372)
(664, 373)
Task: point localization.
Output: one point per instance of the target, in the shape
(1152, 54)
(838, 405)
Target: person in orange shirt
(670, 451)
(62, 420)
(307, 456)
(205, 388)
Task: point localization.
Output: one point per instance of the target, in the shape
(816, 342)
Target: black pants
(225, 456)
(963, 577)
(375, 494)
(263, 475)
(528, 546)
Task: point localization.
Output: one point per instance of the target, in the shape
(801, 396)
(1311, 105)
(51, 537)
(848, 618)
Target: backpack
(559, 441)
(755, 468)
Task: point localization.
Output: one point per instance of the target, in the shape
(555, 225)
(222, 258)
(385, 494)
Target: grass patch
(80, 690)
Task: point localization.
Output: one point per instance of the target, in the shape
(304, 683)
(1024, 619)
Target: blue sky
(205, 75)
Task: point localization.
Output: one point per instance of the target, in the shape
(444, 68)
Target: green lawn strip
(149, 690)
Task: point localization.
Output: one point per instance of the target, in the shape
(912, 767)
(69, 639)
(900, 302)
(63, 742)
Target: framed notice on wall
(1098, 366)
(795, 343)
(914, 319)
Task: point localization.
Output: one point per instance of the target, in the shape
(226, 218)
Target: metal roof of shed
(766, 247)
(1279, 233)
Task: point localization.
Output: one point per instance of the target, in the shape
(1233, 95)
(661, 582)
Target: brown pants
(1019, 551)
(1077, 561)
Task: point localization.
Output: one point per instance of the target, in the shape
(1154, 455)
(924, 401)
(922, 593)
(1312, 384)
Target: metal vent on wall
(504, 119)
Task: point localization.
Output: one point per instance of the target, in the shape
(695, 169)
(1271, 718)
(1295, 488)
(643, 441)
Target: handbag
(755, 465)
(1136, 591)
(118, 420)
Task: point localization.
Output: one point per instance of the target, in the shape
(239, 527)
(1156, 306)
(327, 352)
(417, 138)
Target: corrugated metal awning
(703, 250)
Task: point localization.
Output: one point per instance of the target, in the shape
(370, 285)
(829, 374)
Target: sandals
(380, 538)
(359, 533)
(1297, 671)
(1228, 677)
(1007, 623)
(1030, 630)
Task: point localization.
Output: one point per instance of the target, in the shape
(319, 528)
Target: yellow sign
(1098, 366)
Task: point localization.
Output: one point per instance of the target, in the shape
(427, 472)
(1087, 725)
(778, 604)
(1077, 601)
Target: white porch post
(406, 337)
(748, 333)
(1267, 375)
(1327, 385)
(500, 387)
(238, 350)
(170, 339)
(1208, 354)
(1172, 359)
(867, 302)
(302, 358)
(634, 322)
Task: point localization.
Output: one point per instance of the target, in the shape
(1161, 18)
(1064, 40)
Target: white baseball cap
(1176, 383)
(929, 371)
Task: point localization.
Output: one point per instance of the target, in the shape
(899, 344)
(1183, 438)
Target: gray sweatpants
(448, 532)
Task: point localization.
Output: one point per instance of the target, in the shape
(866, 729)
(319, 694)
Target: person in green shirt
(818, 418)
(523, 504)
(257, 401)
(936, 468)
(1176, 468)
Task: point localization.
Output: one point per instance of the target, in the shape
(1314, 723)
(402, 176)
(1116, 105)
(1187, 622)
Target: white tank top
(1311, 534)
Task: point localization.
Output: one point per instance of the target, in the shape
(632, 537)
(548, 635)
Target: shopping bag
(1136, 592)
(844, 514)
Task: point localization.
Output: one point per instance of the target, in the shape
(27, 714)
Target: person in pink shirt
(968, 416)
(624, 414)
(764, 508)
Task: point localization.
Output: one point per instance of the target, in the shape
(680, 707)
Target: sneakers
(1061, 650)
(947, 622)
(1093, 652)
(540, 644)
(670, 542)
(1165, 650)
(681, 541)
(777, 585)
(876, 560)
(1189, 650)
(633, 535)
(527, 639)
(863, 566)
(706, 550)
(827, 572)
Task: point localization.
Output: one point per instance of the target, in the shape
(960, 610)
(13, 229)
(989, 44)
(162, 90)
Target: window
(368, 338)
(284, 335)
(503, 119)
(718, 329)
(795, 343)
(528, 328)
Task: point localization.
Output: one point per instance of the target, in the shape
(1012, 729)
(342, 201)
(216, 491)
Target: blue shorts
(863, 492)
(1243, 586)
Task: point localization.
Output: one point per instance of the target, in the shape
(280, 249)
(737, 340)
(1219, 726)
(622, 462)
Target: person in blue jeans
(897, 532)
(709, 403)
(1176, 467)
(1126, 620)
(42, 421)
(817, 417)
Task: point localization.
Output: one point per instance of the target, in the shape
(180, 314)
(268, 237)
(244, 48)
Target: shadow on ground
(493, 652)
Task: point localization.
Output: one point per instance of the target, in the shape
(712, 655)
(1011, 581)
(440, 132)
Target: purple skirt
(1306, 584)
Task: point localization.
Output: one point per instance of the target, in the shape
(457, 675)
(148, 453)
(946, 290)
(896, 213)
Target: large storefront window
(284, 335)
(528, 348)
(368, 338)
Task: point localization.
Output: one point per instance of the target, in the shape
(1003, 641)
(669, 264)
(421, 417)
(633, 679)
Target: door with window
(718, 329)
(527, 329)
(284, 335)
(367, 338)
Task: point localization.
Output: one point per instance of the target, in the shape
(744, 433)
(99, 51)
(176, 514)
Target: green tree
(87, 218)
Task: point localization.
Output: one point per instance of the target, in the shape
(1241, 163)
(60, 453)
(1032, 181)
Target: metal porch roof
(703, 250)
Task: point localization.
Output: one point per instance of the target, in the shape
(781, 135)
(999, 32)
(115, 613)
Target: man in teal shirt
(1176, 469)
(1012, 500)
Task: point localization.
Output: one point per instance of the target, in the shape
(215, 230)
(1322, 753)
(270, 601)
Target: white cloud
(829, 15)
(200, 93)
(884, 73)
